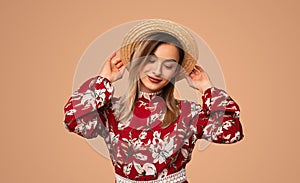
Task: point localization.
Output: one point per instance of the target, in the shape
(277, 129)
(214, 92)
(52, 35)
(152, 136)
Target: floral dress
(141, 149)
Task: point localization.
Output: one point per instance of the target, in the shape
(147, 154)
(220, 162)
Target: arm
(218, 118)
(85, 111)
(218, 121)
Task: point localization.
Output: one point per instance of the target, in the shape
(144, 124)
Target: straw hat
(146, 27)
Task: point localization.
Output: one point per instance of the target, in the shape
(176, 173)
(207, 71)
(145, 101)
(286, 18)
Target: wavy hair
(145, 48)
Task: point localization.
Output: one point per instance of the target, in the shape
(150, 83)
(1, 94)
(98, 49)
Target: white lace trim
(177, 177)
(148, 95)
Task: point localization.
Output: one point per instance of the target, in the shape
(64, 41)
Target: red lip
(154, 80)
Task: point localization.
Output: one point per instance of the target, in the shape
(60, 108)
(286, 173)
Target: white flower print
(155, 116)
(121, 126)
(208, 129)
(195, 109)
(138, 168)
(184, 152)
(215, 98)
(226, 125)
(236, 137)
(138, 144)
(186, 142)
(219, 131)
(100, 96)
(237, 114)
(140, 156)
(194, 138)
(163, 173)
(87, 100)
(114, 139)
(99, 80)
(227, 136)
(76, 96)
(142, 103)
(71, 112)
(84, 127)
(222, 103)
(193, 128)
(162, 149)
(156, 136)
(207, 102)
(108, 87)
(68, 104)
(127, 169)
(152, 108)
(149, 168)
(143, 135)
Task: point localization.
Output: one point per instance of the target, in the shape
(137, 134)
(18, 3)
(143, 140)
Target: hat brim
(150, 26)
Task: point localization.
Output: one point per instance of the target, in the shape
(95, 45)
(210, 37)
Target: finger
(199, 68)
(109, 58)
(192, 75)
(119, 65)
(116, 61)
(122, 68)
(121, 72)
(195, 71)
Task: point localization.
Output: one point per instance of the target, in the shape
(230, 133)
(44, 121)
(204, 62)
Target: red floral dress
(141, 149)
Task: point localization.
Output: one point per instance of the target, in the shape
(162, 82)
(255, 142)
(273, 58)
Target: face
(159, 69)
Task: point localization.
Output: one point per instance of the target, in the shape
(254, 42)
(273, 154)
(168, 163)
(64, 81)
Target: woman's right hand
(113, 68)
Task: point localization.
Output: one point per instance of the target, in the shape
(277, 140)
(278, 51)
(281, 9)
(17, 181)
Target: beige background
(256, 43)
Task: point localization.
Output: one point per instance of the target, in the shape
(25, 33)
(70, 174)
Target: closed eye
(151, 58)
(169, 66)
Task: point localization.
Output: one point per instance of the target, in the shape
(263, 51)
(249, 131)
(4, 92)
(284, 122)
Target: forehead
(167, 52)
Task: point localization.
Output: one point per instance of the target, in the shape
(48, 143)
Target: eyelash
(153, 60)
(169, 67)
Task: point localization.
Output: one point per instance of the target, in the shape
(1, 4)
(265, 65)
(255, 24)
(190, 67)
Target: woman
(149, 133)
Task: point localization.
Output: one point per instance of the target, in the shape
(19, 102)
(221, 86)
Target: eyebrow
(167, 60)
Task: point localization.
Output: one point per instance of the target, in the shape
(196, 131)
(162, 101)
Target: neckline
(148, 95)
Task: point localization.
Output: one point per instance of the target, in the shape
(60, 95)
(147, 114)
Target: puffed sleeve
(86, 110)
(218, 120)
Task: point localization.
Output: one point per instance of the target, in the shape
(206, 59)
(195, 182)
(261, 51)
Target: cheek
(146, 68)
(143, 71)
(169, 74)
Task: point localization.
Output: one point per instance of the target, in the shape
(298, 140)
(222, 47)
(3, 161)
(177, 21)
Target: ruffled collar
(147, 95)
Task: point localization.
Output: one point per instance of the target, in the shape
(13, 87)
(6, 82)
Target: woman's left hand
(199, 79)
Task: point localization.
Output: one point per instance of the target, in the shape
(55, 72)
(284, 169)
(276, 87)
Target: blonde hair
(127, 102)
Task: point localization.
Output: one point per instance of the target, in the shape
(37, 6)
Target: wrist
(105, 76)
(204, 88)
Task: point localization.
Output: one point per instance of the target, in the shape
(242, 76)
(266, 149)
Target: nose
(156, 69)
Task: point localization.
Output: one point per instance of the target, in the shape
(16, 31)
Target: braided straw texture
(146, 27)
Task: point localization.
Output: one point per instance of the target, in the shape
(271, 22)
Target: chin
(153, 89)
